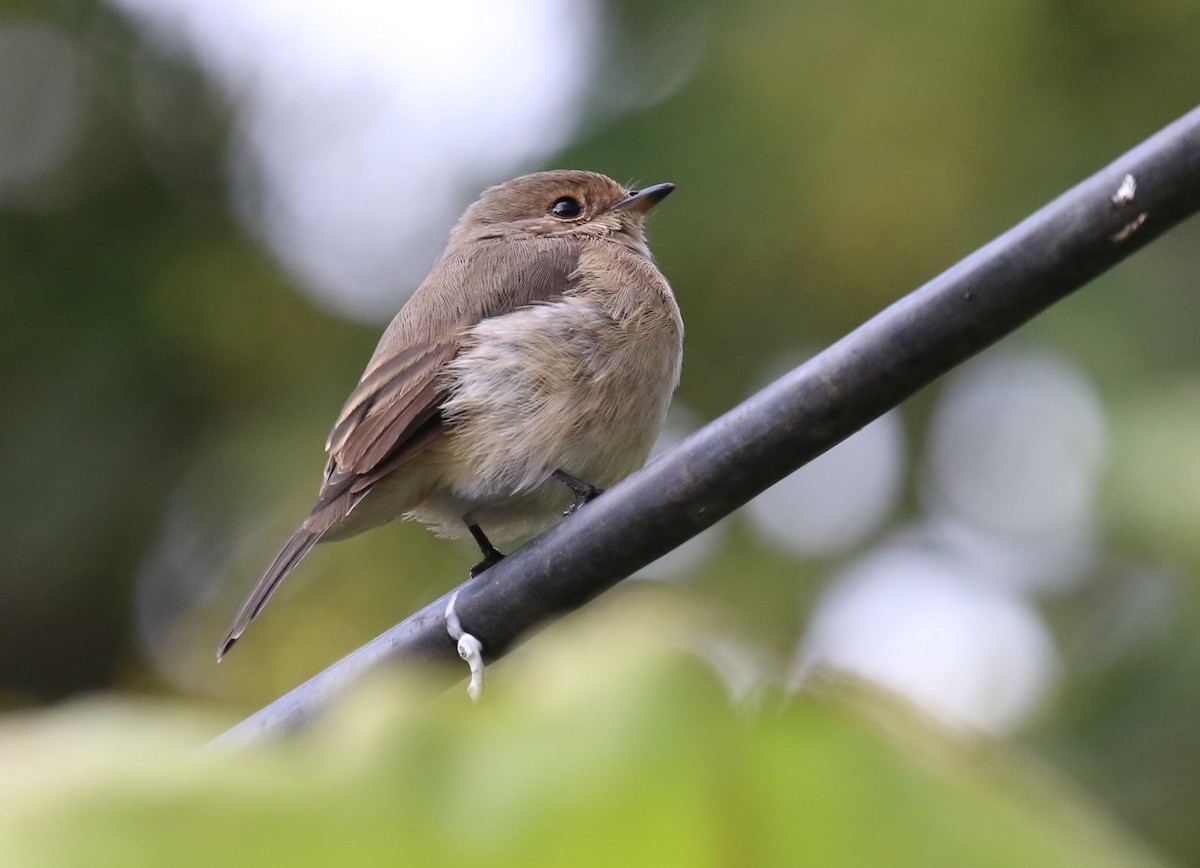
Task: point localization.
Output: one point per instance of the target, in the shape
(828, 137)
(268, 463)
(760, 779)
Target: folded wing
(393, 413)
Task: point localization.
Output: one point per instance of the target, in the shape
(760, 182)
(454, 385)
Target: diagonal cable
(987, 295)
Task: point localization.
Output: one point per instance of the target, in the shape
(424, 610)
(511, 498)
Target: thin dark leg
(583, 491)
(491, 554)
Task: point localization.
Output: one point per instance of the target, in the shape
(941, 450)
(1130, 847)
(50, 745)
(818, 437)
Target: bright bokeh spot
(836, 501)
(1017, 446)
(365, 126)
(913, 621)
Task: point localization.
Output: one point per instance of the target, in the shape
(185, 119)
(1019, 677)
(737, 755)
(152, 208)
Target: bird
(532, 368)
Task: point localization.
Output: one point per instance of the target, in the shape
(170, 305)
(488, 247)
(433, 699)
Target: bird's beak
(641, 201)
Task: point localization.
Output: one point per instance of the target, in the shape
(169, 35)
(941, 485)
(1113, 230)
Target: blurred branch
(984, 297)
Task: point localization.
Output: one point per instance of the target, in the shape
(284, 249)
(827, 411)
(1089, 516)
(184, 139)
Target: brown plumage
(543, 341)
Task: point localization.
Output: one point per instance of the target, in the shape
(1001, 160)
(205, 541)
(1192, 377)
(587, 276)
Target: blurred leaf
(593, 747)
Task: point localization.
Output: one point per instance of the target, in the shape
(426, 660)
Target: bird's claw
(583, 491)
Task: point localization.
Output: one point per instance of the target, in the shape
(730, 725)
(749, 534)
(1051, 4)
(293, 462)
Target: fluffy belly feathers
(555, 386)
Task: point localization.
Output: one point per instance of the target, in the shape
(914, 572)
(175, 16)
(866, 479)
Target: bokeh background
(210, 208)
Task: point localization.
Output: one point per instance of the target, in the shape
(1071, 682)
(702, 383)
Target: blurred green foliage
(157, 383)
(595, 746)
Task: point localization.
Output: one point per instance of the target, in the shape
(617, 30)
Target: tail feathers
(293, 550)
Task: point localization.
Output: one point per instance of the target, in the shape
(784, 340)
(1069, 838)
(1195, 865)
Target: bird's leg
(583, 491)
(491, 554)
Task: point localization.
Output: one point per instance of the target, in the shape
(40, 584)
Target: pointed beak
(641, 201)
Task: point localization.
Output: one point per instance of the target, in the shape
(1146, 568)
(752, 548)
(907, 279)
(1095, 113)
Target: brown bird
(531, 369)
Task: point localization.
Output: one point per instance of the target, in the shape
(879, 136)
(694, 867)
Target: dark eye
(566, 208)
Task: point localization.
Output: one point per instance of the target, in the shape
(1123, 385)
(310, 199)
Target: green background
(161, 374)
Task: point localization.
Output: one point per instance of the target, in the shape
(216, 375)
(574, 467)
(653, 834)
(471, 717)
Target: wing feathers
(376, 387)
(402, 389)
(393, 413)
(386, 407)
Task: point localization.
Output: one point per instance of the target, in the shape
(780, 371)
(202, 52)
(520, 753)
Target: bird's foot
(491, 554)
(583, 491)
(470, 649)
(489, 560)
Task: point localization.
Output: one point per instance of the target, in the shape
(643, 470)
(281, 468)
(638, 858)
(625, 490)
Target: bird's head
(563, 202)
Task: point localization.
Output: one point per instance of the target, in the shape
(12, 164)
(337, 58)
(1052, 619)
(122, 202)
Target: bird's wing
(390, 414)
(393, 413)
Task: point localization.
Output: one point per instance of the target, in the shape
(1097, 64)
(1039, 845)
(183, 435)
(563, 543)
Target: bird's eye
(566, 208)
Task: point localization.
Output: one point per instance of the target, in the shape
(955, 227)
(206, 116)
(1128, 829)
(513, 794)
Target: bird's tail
(293, 550)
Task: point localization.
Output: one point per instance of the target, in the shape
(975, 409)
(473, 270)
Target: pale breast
(580, 384)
